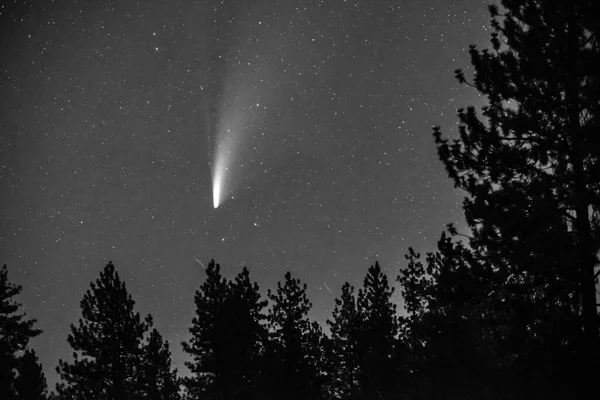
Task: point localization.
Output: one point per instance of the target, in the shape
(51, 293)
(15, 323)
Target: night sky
(311, 119)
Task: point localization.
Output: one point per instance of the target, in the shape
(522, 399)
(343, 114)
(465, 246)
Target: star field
(109, 119)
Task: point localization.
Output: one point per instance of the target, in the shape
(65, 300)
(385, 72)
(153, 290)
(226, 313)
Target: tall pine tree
(244, 337)
(157, 380)
(318, 357)
(228, 339)
(449, 332)
(377, 336)
(530, 166)
(345, 327)
(15, 333)
(290, 328)
(205, 345)
(107, 344)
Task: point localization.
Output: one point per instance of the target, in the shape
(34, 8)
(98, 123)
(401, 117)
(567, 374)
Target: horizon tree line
(509, 311)
(237, 349)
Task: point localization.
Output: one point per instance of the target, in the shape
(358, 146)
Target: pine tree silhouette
(241, 338)
(205, 346)
(30, 383)
(378, 329)
(157, 380)
(449, 331)
(107, 344)
(530, 166)
(318, 357)
(15, 333)
(228, 339)
(290, 329)
(345, 328)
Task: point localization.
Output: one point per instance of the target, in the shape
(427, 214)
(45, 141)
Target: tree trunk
(586, 255)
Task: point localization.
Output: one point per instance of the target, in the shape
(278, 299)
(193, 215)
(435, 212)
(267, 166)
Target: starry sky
(315, 115)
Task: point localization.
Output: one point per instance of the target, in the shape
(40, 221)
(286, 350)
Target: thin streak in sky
(327, 286)
(200, 262)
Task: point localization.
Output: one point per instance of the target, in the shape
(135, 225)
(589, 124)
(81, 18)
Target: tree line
(508, 310)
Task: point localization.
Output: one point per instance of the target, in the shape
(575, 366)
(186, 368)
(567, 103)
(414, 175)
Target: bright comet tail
(216, 193)
(218, 172)
(220, 168)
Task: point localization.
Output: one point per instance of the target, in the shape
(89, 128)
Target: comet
(217, 183)
(225, 150)
(218, 171)
(220, 168)
(243, 97)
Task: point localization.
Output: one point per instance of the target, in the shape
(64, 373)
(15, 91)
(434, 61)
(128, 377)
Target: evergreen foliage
(228, 339)
(290, 328)
(15, 333)
(204, 345)
(378, 327)
(157, 380)
(530, 168)
(107, 344)
(450, 331)
(30, 383)
(344, 328)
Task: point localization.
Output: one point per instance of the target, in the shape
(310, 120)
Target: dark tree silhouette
(30, 383)
(15, 333)
(205, 346)
(530, 166)
(157, 380)
(228, 339)
(450, 330)
(242, 338)
(318, 349)
(107, 344)
(378, 328)
(290, 330)
(344, 327)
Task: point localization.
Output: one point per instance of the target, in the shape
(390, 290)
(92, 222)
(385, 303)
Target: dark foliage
(377, 329)
(295, 374)
(30, 383)
(228, 340)
(204, 345)
(530, 168)
(449, 332)
(15, 333)
(345, 333)
(157, 380)
(110, 359)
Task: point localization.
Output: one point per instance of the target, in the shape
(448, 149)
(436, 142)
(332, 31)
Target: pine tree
(318, 351)
(205, 346)
(156, 378)
(344, 327)
(450, 328)
(15, 333)
(244, 336)
(107, 344)
(228, 339)
(30, 383)
(531, 169)
(378, 330)
(290, 327)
